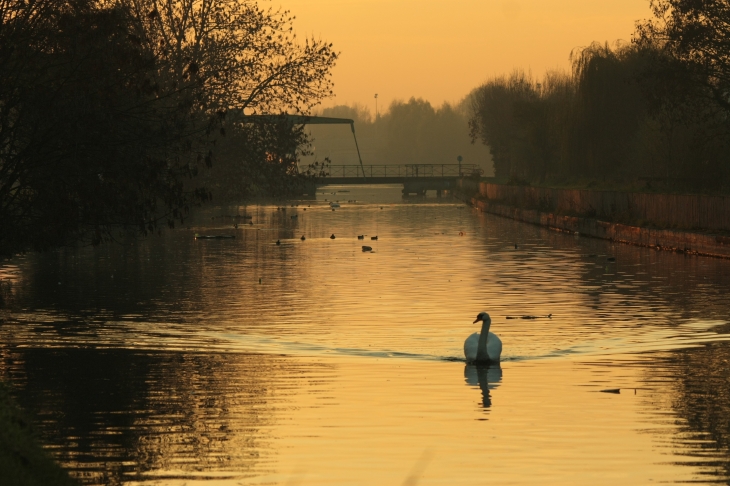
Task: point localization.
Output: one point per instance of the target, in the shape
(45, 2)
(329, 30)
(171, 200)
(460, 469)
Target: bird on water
(484, 346)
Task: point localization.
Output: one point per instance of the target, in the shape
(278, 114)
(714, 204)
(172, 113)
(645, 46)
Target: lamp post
(376, 106)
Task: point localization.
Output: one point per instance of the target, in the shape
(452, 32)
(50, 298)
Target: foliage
(630, 114)
(694, 32)
(238, 170)
(108, 110)
(245, 57)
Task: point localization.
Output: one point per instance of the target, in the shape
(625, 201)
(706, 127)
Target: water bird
(302, 238)
(373, 237)
(549, 316)
(484, 346)
(278, 243)
(332, 237)
(367, 248)
(334, 205)
(361, 237)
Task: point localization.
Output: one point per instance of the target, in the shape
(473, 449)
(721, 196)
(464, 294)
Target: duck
(278, 242)
(302, 238)
(373, 237)
(367, 248)
(484, 346)
(361, 237)
(332, 237)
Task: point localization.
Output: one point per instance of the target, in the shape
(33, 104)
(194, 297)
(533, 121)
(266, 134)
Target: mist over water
(173, 360)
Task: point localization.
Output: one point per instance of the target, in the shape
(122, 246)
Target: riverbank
(23, 462)
(543, 207)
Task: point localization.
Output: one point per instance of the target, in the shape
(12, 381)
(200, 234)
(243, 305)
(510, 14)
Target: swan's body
(484, 346)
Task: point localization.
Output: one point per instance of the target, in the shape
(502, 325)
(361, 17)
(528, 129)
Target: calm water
(179, 361)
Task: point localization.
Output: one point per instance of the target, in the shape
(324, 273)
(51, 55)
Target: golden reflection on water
(180, 361)
(375, 422)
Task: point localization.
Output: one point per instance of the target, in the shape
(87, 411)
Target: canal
(173, 360)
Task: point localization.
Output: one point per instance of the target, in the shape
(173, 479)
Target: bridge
(416, 178)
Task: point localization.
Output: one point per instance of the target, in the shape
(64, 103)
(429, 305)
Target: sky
(440, 50)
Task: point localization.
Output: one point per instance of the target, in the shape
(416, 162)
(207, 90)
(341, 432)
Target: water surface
(173, 360)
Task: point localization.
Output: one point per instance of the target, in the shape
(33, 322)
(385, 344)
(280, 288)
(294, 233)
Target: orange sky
(440, 50)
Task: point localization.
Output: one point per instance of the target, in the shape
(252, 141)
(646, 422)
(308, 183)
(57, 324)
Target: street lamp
(376, 106)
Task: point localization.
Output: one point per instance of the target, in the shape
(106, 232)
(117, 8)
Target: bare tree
(246, 58)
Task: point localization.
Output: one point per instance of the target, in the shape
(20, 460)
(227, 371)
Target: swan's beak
(478, 319)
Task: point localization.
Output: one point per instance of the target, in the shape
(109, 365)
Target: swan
(485, 346)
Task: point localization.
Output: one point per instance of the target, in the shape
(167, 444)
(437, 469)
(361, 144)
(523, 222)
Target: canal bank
(692, 224)
(23, 462)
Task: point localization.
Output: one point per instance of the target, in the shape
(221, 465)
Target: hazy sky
(441, 49)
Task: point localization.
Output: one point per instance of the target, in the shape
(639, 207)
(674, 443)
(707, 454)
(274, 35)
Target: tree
(247, 58)
(106, 114)
(696, 33)
(90, 142)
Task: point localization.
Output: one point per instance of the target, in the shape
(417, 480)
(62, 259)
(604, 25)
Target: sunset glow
(440, 50)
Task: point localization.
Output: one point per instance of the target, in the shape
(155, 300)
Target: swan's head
(484, 317)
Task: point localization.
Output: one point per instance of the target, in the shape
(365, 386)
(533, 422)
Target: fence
(407, 170)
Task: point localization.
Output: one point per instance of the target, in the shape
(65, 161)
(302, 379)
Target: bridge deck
(394, 174)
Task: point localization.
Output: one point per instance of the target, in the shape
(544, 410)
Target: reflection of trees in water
(642, 285)
(702, 398)
(112, 414)
(486, 376)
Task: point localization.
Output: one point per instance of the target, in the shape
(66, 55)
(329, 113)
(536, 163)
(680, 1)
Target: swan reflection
(485, 376)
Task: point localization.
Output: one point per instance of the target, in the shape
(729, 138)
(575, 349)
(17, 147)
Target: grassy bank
(23, 462)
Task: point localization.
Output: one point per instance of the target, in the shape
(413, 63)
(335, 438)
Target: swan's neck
(482, 346)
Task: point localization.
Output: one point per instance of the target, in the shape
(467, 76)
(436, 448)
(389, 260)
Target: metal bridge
(416, 178)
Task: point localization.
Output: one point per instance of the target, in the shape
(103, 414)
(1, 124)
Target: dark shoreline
(23, 462)
(681, 241)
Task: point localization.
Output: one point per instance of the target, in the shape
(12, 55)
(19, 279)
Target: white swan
(485, 346)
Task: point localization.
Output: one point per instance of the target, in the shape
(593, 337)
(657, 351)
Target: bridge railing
(406, 170)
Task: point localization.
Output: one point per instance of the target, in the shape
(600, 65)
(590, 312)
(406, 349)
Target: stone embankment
(692, 218)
